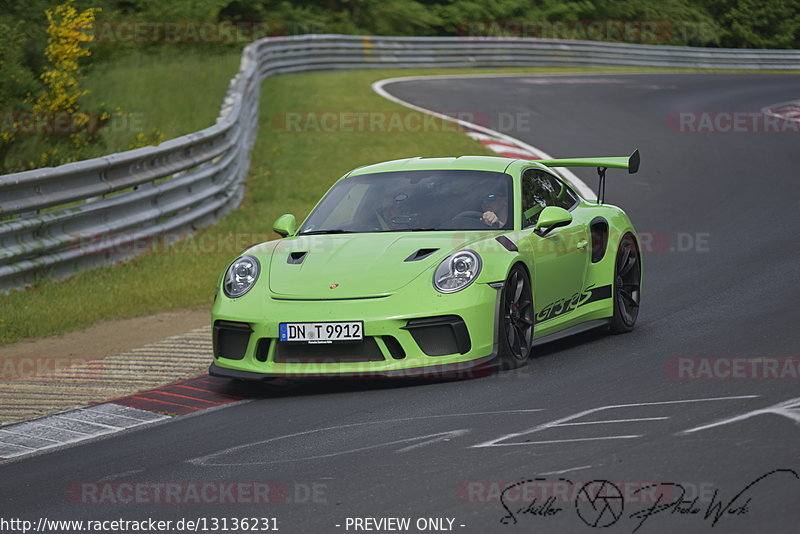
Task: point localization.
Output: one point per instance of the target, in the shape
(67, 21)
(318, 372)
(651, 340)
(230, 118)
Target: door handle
(582, 244)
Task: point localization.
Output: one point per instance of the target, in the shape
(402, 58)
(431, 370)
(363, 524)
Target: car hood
(356, 265)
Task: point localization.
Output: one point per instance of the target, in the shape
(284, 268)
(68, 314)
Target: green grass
(288, 174)
(174, 94)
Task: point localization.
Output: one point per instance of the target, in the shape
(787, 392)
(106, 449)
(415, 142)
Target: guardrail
(60, 220)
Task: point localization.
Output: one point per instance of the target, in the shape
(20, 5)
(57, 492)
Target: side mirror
(550, 218)
(285, 225)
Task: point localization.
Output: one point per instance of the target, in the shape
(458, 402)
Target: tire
(626, 285)
(516, 319)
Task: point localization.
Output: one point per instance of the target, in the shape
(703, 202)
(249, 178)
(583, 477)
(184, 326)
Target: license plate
(322, 332)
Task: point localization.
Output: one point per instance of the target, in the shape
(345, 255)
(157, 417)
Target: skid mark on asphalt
(333, 441)
(211, 460)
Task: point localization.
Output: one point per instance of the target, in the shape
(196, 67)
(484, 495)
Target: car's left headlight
(457, 271)
(241, 276)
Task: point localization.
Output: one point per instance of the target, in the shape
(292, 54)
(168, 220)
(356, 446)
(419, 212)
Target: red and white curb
(65, 428)
(789, 111)
(500, 143)
(501, 147)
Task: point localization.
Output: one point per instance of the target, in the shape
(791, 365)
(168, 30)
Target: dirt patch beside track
(110, 337)
(106, 360)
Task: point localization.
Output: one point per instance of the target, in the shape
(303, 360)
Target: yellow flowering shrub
(68, 33)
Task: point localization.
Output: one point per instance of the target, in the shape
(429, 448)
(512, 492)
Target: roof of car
(474, 163)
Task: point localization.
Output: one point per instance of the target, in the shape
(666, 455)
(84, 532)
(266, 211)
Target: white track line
(580, 468)
(789, 409)
(560, 422)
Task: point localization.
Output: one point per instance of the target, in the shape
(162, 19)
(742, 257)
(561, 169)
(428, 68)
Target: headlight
(241, 276)
(457, 271)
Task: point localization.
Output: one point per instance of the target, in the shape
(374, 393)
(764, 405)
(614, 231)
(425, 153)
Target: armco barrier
(190, 181)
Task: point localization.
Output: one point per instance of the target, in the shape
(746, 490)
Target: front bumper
(471, 369)
(406, 335)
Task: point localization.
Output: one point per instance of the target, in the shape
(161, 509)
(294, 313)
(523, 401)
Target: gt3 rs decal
(562, 306)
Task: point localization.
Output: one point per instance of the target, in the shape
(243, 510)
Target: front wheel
(516, 319)
(627, 285)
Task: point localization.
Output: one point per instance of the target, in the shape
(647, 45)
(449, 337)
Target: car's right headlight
(457, 271)
(241, 276)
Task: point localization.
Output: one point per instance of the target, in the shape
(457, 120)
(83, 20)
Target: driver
(395, 214)
(495, 210)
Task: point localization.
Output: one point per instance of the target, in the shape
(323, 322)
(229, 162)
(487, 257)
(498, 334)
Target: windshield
(415, 201)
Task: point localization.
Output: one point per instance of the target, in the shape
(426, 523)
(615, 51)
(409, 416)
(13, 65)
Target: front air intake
(320, 353)
(439, 336)
(394, 347)
(230, 339)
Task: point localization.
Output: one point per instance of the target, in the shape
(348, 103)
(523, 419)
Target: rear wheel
(516, 318)
(627, 285)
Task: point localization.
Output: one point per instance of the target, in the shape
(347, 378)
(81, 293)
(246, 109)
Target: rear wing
(631, 163)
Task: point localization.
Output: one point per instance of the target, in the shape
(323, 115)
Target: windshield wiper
(329, 231)
(411, 230)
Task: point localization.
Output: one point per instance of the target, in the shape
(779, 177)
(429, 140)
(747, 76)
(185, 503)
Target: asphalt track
(593, 407)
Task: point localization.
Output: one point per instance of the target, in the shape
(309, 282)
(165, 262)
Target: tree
(764, 23)
(16, 82)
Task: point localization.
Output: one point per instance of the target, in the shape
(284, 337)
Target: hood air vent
(421, 254)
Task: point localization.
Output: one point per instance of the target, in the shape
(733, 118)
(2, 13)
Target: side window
(564, 197)
(537, 193)
(539, 190)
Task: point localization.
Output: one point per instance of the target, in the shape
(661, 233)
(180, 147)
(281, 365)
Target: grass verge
(188, 93)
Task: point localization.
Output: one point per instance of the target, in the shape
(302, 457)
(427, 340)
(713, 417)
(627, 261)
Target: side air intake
(296, 258)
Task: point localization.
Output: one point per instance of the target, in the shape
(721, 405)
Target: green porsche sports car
(429, 267)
